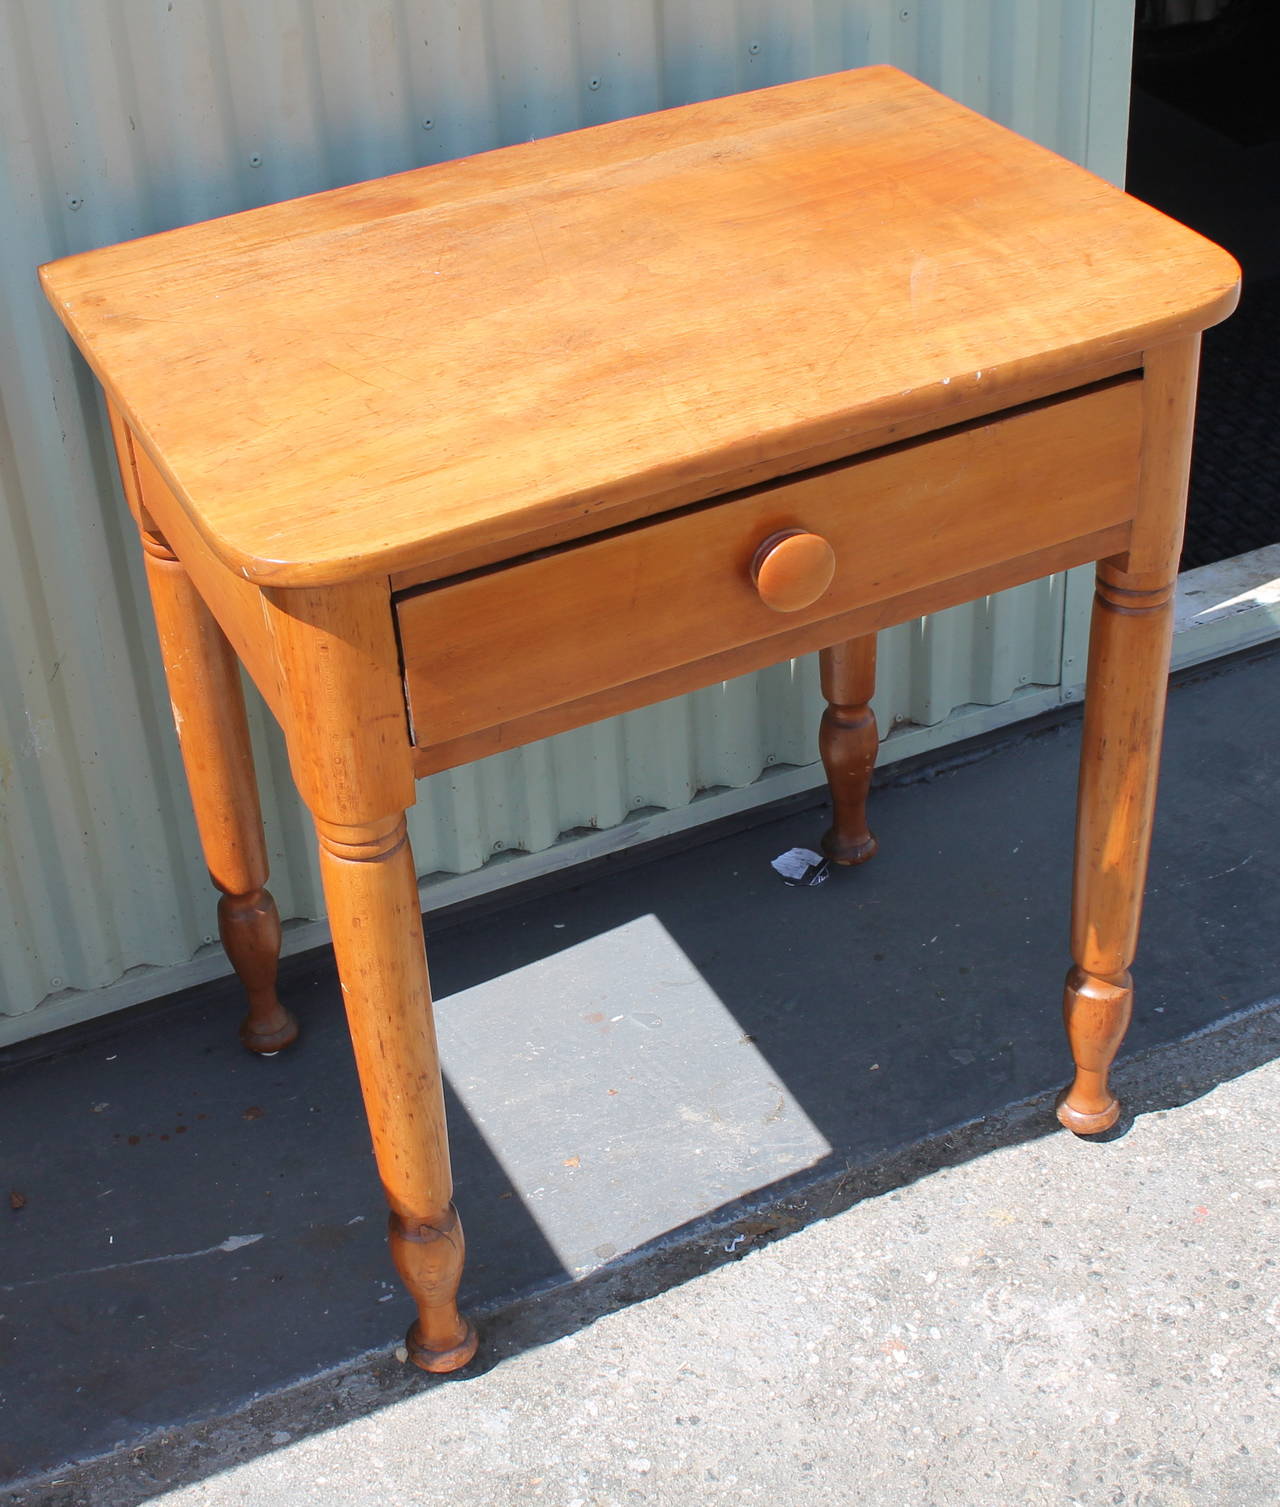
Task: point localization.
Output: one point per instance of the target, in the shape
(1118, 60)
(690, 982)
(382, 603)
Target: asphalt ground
(655, 1074)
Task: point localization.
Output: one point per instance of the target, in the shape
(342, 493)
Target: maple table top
(379, 376)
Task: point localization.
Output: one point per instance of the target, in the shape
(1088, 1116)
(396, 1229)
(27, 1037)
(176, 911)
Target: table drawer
(507, 642)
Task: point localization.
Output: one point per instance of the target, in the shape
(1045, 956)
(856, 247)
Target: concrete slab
(666, 1052)
(1016, 1316)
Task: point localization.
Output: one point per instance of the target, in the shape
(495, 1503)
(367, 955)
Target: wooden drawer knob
(792, 569)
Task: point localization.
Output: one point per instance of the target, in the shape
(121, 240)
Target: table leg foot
(429, 1254)
(1085, 1124)
(441, 1362)
(268, 1043)
(249, 926)
(1097, 1012)
(839, 849)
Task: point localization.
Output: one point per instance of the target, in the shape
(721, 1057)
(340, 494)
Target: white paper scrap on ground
(801, 866)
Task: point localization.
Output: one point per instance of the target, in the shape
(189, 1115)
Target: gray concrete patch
(1057, 1322)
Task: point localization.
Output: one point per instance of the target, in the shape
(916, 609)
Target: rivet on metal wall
(593, 83)
(428, 124)
(255, 159)
(74, 201)
(754, 48)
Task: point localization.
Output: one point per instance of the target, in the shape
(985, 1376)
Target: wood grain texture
(1129, 647)
(981, 404)
(456, 357)
(676, 590)
(430, 758)
(235, 604)
(345, 721)
(998, 576)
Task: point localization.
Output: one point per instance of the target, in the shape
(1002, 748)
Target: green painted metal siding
(121, 119)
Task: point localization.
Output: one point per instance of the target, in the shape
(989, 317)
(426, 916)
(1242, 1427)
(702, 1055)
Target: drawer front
(508, 642)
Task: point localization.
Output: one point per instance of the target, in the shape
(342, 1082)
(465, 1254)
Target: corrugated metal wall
(122, 117)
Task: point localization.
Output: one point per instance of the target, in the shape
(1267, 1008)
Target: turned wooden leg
(1129, 646)
(848, 741)
(1124, 711)
(213, 734)
(372, 897)
(351, 754)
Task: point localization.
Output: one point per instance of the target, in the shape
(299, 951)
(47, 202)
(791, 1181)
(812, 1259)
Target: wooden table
(477, 453)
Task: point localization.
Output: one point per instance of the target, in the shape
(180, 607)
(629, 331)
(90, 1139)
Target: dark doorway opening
(1204, 146)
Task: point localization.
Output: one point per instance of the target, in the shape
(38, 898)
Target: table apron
(547, 642)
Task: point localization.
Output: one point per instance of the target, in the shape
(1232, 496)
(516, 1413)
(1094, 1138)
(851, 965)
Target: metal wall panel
(122, 117)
